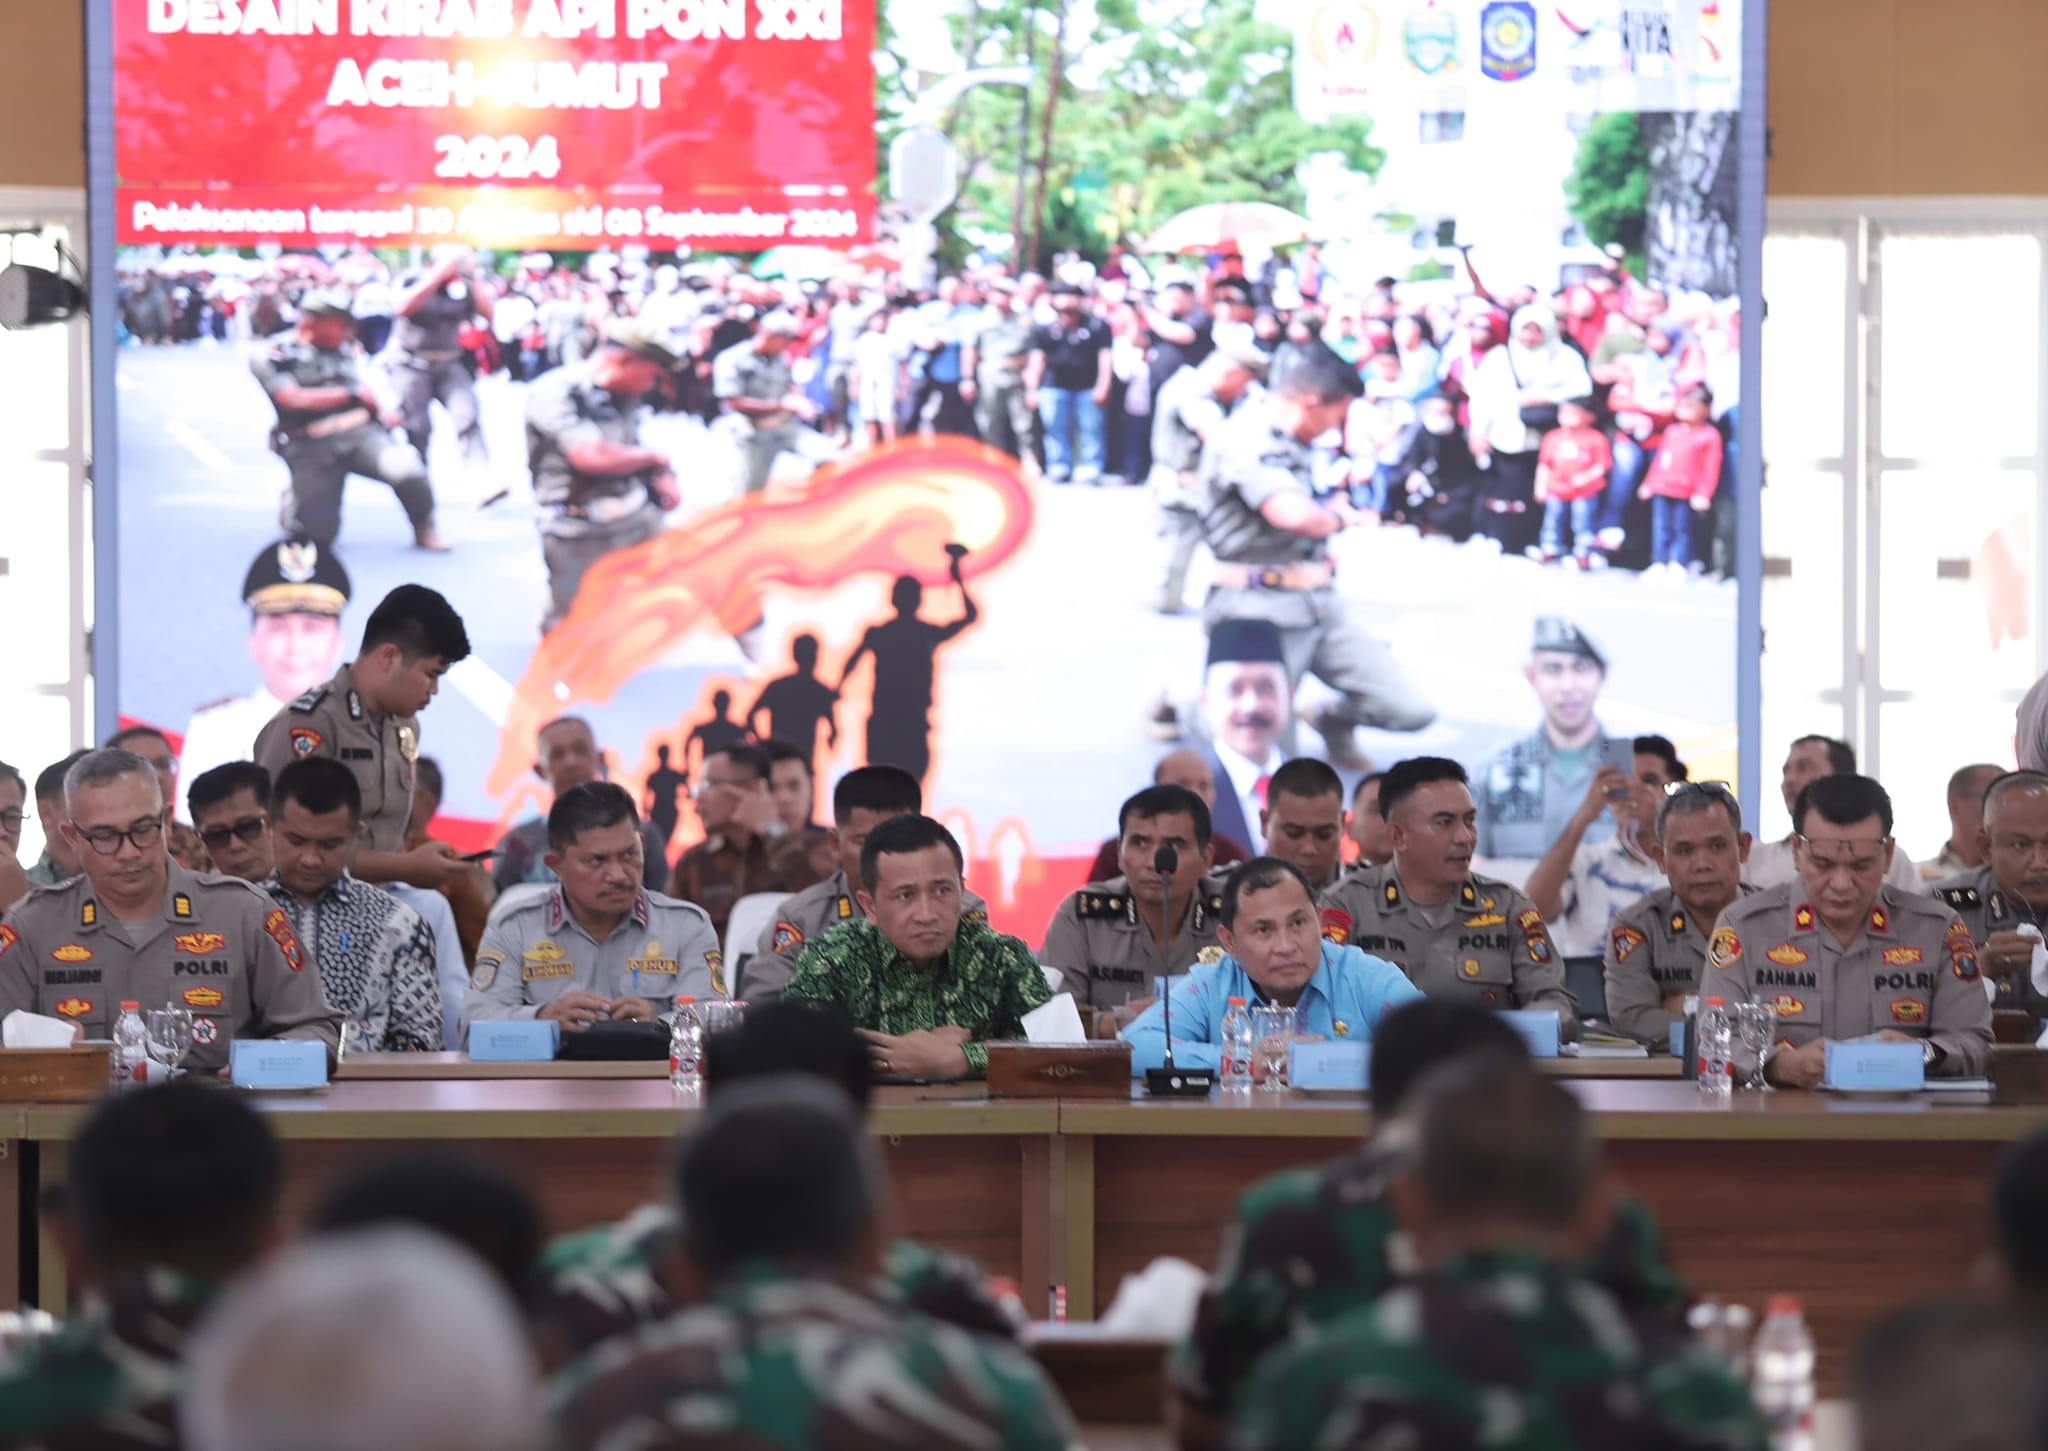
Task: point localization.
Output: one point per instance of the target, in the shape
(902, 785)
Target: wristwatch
(1928, 1052)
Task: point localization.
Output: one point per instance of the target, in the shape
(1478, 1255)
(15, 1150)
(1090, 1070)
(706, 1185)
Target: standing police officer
(753, 382)
(428, 360)
(1269, 536)
(597, 488)
(330, 425)
(1190, 408)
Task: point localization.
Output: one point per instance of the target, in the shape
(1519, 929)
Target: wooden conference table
(1857, 1206)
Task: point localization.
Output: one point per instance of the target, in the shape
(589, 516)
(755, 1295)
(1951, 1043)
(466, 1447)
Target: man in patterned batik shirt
(376, 954)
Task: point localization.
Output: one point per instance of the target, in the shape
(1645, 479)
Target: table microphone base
(1179, 1082)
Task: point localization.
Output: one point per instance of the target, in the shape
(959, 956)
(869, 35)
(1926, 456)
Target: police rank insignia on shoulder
(1959, 896)
(1097, 904)
(1725, 948)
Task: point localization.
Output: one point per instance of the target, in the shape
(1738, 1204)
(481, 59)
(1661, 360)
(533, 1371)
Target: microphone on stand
(1167, 1081)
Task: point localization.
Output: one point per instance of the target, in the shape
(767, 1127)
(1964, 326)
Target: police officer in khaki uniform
(1189, 410)
(135, 926)
(598, 947)
(992, 364)
(427, 356)
(367, 717)
(1657, 945)
(863, 799)
(330, 425)
(753, 382)
(1997, 901)
(598, 489)
(1113, 940)
(1456, 935)
(1841, 954)
(1269, 534)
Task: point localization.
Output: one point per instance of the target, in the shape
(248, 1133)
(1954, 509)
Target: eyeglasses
(12, 820)
(249, 829)
(106, 841)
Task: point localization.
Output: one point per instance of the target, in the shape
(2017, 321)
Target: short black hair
(120, 738)
(1370, 778)
(2019, 1207)
(876, 789)
(1662, 748)
(1405, 778)
(320, 784)
(426, 776)
(420, 622)
(1841, 755)
(1957, 1372)
(1842, 801)
(9, 773)
(1156, 801)
(1307, 778)
(1256, 875)
(901, 835)
(217, 785)
(50, 780)
(1313, 372)
(1493, 1137)
(1235, 287)
(465, 1200)
(588, 807)
(780, 1169)
(179, 1175)
(778, 751)
(1423, 1032)
(751, 759)
(790, 1037)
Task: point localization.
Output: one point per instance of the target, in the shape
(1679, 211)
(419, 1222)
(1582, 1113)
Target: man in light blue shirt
(1276, 957)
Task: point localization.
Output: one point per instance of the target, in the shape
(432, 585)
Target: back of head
(779, 1169)
(318, 785)
(212, 787)
(387, 1339)
(464, 1200)
(50, 780)
(420, 622)
(1841, 755)
(1405, 778)
(785, 1037)
(1157, 801)
(178, 1175)
(1496, 1143)
(1423, 1033)
(1307, 778)
(882, 790)
(1841, 800)
(1958, 1376)
(587, 807)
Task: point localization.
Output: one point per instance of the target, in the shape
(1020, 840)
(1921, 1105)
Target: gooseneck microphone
(1167, 1081)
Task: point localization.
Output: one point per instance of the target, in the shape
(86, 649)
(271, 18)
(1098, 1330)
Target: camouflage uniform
(803, 919)
(107, 1379)
(808, 1365)
(601, 1282)
(1499, 1350)
(1311, 1245)
(988, 983)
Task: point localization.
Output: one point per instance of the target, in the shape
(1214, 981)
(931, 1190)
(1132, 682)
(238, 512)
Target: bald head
(1188, 771)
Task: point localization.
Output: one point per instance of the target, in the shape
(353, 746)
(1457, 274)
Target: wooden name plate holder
(53, 1075)
(1059, 1070)
(2019, 1074)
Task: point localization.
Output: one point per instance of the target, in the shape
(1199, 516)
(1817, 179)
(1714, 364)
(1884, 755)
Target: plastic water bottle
(1782, 1381)
(131, 1046)
(686, 1047)
(1717, 1050)
(1235, 1059)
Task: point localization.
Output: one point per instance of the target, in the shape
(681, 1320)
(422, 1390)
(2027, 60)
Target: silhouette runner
(798, 703)
(716, 734)
(664, 785)
(905, 649)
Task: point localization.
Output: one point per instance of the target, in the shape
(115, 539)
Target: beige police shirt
(1911, 969)
(1487, 945)
(220, 947)
(1655, 947)
(804, 918)
(664, 949)
(331, 720)
(1986, 908)
(1101, 944)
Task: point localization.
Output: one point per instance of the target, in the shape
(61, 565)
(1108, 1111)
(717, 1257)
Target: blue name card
(1875, 1065)
(277, 1063)
(1538, 1027)
(1338, 1064)
(1678, 1040)
(514, 1040)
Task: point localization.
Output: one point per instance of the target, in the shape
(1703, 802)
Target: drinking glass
(1272, 1031)
(169, 1036)
(1756, 1029)
(723, 1015)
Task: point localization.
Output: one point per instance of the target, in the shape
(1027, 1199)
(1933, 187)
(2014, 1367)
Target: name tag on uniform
(280, 1063)
(1897, 1066)
(1334, 1065)
(518, 1040)
(1538, 1027)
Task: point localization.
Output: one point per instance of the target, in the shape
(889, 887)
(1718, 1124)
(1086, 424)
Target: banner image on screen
(391, 274)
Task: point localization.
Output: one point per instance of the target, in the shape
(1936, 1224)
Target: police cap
(296, 577)
(1561, 637)
(1243, 642)
(326, 304)
(637, 335)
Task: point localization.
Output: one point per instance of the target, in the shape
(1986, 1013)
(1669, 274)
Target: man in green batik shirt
(780, 1191)
(927, 988)
(1499, 1339)
(1314, 1244)
(169, 1193)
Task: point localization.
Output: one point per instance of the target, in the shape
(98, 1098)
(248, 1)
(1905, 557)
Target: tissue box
(514, 1040)
(1538, 1027)
(1899, 1066)
(1338, 1065)
(287, 1063)
(1059, 1070)
(53, 1075)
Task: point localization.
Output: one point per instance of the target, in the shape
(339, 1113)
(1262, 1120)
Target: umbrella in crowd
(1229, 227)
